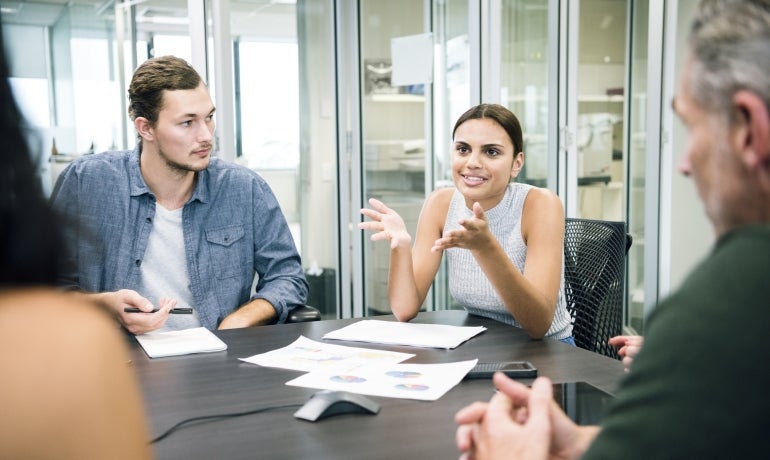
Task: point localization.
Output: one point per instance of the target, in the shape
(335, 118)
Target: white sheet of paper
(412, 58)
(308, 355)
(412, 334)
(183, 342)
(427, 382)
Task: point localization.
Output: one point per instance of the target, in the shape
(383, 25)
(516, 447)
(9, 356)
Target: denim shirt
(233, 228)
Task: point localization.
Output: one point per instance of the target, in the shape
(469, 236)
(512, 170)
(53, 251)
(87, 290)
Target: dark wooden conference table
(178, 388)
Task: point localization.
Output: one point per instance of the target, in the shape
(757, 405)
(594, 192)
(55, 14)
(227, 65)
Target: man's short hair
(145, 93)
(730, 46)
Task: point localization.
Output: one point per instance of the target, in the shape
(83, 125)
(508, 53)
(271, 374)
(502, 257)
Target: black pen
(174, 311)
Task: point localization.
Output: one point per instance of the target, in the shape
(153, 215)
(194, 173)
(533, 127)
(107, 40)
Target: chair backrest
(594, 270)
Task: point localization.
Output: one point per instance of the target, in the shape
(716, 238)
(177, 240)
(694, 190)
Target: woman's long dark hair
(30, 238)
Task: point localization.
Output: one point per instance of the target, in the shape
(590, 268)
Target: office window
(175, 45)
(31, 96)
(269, 101)
(97, 111)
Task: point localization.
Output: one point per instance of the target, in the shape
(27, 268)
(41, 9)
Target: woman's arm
(412, 268)
(531, 296)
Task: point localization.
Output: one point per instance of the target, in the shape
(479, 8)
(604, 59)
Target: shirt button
(138, 262)
(148, 220)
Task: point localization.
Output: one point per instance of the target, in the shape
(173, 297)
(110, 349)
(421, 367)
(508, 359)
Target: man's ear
(144, 128)
(753, 127)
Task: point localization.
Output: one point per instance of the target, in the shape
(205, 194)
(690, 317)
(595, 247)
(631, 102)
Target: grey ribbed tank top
(467, 283)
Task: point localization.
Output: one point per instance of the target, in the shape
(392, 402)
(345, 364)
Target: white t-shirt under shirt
(164, 271)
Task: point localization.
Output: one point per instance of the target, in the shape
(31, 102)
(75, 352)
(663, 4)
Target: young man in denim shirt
(166, 225)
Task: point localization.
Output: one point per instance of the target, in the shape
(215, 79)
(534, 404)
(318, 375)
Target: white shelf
(584, 98)
(600, 98)
(396, 97)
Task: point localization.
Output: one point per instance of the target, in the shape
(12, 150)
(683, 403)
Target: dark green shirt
(700, 387)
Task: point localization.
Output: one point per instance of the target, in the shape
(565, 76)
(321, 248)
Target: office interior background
(309, 94)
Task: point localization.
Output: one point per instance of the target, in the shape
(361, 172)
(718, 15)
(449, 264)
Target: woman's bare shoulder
(542, 200)
(436, 205)
(441, 196)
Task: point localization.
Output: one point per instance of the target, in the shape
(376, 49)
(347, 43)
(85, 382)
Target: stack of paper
(412, 334)
(184, 342)
(308, 355)
(363, 370)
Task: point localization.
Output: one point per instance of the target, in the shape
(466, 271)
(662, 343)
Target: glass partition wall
(525, 77)
(610, 129)
(637, 172)
(393, 132)
(601, 79)
(453, 90)
(305, 97)
(280, 56)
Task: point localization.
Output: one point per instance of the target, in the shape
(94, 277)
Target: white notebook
(183, 342)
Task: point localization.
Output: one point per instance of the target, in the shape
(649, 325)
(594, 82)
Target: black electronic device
(326, 403)
(584, 403)
(513, 369)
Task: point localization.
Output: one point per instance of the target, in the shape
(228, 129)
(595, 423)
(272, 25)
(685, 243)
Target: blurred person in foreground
(698, 388)
(628, 346)
(67, 390)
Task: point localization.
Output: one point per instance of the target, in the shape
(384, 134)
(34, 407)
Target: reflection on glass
(270, 105)
(524, 80)
(84, 61)
(601, 96)
(452, 97)
(284, 63)
(636, 165)
(393, 133)
(584, 403)
(457, 81)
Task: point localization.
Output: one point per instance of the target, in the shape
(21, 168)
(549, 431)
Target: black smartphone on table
(513, 369)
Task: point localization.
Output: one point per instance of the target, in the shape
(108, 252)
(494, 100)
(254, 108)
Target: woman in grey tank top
(504, 241)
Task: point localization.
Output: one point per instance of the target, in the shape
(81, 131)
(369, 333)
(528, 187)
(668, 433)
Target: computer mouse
(327, 403)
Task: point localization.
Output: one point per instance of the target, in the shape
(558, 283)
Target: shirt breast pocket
(227, 251)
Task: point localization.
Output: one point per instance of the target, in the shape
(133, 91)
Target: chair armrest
(303, 314)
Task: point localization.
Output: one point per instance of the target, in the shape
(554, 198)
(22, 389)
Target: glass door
(262, 62)
(497, 52)
(394, 137)
(284, 123)
(527, 49)
(602, 70)
(455, 79)
(609, 156)
(637, 168)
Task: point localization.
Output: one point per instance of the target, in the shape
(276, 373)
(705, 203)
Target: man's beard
(182, 168)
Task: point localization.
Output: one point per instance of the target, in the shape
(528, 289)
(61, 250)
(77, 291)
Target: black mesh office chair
(594, 270)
